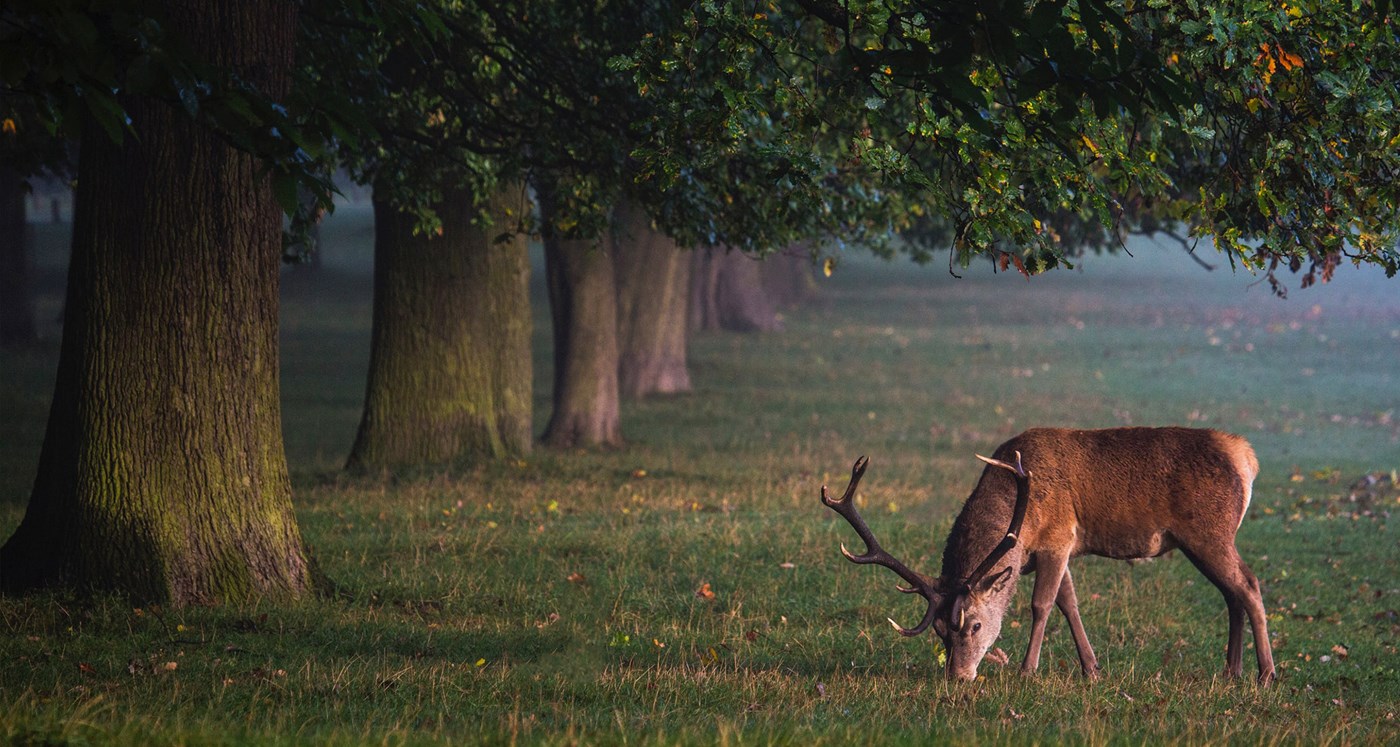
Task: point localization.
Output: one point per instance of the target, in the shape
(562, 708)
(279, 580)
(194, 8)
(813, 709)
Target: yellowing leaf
(829, 266)
(9, 126)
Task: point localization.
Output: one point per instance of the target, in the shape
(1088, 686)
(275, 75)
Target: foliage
(1020, 130)
(1300, 101)
(1029, 129)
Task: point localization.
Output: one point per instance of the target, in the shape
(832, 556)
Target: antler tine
(1018, 515)
(874, 553)
(917, 629)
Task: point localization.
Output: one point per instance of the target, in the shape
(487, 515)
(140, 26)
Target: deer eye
(976, 627)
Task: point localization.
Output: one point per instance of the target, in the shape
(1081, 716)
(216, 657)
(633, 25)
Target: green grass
(555, 600)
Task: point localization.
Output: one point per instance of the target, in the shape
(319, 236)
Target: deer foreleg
(1049, 573)
(1069, 606)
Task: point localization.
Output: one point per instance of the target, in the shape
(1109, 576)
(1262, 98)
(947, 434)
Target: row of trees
(1021, 131)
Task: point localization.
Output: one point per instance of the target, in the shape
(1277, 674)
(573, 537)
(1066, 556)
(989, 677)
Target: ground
(688, 588)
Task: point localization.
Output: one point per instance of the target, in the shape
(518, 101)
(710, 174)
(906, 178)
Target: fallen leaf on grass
(86, 668)
(575, 578)
(705, 592)
(787, 566)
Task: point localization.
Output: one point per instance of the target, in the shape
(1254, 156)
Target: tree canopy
(1022, 130)
(1026, 130)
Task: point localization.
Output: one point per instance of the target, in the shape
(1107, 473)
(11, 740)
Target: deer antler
(918, 583)
(1018, 515)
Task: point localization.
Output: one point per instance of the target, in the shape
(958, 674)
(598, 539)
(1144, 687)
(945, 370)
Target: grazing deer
(1121, 493)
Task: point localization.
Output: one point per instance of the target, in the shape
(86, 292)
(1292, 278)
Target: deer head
(965, 613)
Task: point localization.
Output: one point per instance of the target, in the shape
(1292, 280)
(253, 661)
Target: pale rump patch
(1246, 465)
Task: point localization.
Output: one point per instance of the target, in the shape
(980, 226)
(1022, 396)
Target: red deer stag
(1121, 493)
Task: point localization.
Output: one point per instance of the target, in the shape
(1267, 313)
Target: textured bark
(583, 306)
(653, 294)
(162, 474)
(450, 370)
(16, 295)
(726, 292)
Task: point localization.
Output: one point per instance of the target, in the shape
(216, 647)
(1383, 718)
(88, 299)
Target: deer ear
(993, 583)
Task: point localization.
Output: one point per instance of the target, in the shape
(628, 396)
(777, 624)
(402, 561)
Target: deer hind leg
(1069, 607)
(1223, 566)
(1050, 571)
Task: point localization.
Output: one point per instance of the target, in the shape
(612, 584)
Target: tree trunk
(653, 294)
(787, 276)
(162, 474)
(450, 369)
(726, 292)
(16, 294)
(583, 306)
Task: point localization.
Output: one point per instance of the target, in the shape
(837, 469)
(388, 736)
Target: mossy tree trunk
(653, 294)
(162, 474)
(727, 292)
(16, 294)
(583, 308)
(450, 369)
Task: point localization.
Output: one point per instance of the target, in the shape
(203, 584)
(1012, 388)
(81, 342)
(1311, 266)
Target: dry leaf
(705, 592)
(575, 578)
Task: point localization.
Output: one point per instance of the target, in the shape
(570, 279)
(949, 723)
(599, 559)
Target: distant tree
(727, 292)
(450, 374)
(17, 326)
(653, 296)
(27, 149)
(582, 286)
(450, 365)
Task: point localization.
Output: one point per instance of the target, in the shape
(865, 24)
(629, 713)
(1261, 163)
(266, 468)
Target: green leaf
(284, 189)
(108, 113)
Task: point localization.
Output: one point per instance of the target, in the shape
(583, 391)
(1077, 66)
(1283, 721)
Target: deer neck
(978, 529)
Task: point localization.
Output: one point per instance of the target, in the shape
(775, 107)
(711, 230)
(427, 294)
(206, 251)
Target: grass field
(688, 588)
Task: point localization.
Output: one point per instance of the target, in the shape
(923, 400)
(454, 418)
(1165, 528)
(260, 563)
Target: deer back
(1119, 492)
